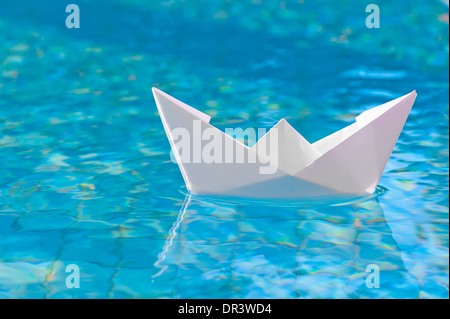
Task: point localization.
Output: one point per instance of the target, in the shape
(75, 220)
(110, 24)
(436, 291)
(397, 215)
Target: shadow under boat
(235, 249)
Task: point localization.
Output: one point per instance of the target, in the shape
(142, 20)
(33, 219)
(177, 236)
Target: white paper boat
(349, 161)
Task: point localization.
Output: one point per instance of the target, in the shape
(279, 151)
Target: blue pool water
(85, 172)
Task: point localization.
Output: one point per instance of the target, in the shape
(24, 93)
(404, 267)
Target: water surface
(85, 172)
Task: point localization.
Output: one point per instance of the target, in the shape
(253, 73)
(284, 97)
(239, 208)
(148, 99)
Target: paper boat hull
(350, 161)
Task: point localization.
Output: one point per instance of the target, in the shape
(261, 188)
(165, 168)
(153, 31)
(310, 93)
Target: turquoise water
(85, 172)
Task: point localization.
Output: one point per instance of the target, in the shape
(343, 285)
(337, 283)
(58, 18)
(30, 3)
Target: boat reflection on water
(252, 250)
